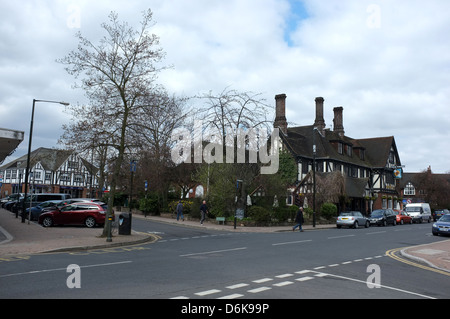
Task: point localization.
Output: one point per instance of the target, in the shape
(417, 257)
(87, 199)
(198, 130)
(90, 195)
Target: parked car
(351, 219)
(438, 213)
(36, 199)
(442, 226)
(36, 211)
(77, 200)
(11, 203)
(403, 217)
(383, 217)
(419, 212)
(80, 213)
(10, 198)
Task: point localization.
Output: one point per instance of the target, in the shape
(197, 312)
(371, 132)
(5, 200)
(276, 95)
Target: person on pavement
(203, 211)
(299, 219)
(180, 211)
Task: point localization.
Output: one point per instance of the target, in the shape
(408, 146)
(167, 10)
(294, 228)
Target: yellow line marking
(391, 253)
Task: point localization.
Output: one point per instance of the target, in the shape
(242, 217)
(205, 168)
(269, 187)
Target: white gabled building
(51, 171)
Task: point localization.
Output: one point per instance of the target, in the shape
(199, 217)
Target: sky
(386, 62)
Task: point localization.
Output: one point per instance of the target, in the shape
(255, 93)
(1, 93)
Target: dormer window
(349, 150)
(410, 189)
(340, 148)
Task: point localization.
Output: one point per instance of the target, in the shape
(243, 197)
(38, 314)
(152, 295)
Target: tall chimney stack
(319, 122)
(280, 113)
(338, 121)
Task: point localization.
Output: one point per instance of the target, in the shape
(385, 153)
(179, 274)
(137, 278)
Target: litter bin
(125, 224)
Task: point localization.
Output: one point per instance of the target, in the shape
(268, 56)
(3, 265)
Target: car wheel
(384, 223)
(47, 222)
(367, 224)
(355, 225)
(89, 222)
(401, 222)
(394, 223)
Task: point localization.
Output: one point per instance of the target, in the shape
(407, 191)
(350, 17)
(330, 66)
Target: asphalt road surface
(195, 263)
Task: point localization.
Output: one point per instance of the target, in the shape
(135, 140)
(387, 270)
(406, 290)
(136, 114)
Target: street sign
(133, 166)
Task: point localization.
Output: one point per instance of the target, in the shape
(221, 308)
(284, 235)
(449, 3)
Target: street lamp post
(314, 175)
(29, 152)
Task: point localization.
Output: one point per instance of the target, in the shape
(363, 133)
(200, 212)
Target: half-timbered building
(367, 167)
(51, 171)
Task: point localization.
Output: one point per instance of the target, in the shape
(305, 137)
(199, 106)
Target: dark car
(383, 217)
(438, 213)
(80, 213)
(36, 211)
(442, 226)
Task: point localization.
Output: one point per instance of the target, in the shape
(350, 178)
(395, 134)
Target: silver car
(352, 219)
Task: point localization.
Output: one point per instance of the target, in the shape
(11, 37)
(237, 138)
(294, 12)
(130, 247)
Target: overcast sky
(386, 62)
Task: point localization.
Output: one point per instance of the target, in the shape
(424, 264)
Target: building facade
(51, 171)
(363, 172)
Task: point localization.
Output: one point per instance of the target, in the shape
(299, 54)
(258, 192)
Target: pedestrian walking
(180, 211)
(299, 219)
(203, 211)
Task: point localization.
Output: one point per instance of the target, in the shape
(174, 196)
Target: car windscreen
(346, 214)
(413, 209)
(377, 213)
(445, 218)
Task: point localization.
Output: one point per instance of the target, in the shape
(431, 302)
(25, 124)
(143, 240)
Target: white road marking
(292, 242)
(213, 252)
(261, 289)
(208, 292)
(64, 269)
(260, 281)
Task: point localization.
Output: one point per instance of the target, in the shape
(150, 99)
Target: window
(337, 167)
(72, 165)
(37, 175)
(340, 148)
(410, 189)
(349, 150)
(65, 177)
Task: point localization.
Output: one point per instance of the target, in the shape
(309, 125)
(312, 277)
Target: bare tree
(119, 78)
(233, 110)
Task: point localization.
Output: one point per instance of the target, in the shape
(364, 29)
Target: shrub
(285, 213)
(149, 204)
(259, 214)
(187, 206)
(328, 210)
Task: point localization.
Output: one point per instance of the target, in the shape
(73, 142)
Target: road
(197, 263)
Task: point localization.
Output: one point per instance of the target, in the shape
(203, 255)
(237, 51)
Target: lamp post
(29, 152)
(314, 175)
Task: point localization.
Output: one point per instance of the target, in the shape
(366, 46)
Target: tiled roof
(299, 141)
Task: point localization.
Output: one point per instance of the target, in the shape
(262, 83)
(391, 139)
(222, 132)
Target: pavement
(21, 239)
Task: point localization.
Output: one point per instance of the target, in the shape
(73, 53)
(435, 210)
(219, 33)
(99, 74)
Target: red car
(403, 217)
(82, 213)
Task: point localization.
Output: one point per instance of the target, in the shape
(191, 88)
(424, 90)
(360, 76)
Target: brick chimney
(280, 113)
(338, 121)
(319, 122)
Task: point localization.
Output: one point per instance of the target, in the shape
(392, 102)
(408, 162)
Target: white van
(419, 212)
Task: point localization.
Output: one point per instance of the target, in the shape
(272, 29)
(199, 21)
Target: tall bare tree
(118, 75)
(232, 110)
